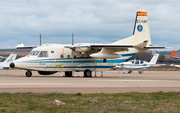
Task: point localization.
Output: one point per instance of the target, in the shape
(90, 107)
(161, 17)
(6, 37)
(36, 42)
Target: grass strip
(90, 103)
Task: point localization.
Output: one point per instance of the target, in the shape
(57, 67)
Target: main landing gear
(129, 72)
(140, 71)
(87, 73)
(28, 73)
(68, 74)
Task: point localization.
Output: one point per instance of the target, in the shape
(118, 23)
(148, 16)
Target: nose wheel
(28, 73)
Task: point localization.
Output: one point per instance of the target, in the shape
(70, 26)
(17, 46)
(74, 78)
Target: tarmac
(15, 81)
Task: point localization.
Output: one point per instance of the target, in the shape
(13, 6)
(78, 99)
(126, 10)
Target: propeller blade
(72, 46)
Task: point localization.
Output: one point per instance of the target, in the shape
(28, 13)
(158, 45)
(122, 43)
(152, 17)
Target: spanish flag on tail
(142, 14)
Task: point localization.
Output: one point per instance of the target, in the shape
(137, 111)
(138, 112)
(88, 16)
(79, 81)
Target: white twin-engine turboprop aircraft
(51, 58)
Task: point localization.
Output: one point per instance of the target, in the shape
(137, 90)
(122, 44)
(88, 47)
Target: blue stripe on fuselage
(81, 60)
(76, 67)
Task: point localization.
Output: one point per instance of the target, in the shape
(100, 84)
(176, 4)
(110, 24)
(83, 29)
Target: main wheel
(87, 73)
(68, 73)
(130, 71)
(28, 73)
(140, 72)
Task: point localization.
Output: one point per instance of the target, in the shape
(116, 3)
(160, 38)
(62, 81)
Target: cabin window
(52, 51)
(68, 56)
(34, 53)
(43, 54)
(137, 62)
(62, 56)
(141, 61)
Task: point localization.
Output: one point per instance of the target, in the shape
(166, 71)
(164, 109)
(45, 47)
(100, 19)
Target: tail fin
(10, 59)
(141, 31)
(172, 54)
(154, 59)
(141, 28)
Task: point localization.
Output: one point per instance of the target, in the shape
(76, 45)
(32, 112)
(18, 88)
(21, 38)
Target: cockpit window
(34, 53)
(43, 54)
(132, 61)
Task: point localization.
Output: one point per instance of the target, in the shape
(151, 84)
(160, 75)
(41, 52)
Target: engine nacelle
(82, 49)
(105, 55)
(46, 72)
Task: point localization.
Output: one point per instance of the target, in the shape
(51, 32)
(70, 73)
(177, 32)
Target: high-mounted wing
(108, 50)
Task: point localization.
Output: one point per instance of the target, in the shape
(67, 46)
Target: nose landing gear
(28, 73)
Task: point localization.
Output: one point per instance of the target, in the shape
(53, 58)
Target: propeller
(72, 46)
(40, 39)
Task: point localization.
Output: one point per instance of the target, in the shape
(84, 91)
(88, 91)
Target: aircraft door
(59, 62)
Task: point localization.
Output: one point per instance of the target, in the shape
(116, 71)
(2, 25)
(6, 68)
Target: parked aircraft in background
(87, 57)
(175, 65)
(10, 59)
(174, 57)
(138, 64)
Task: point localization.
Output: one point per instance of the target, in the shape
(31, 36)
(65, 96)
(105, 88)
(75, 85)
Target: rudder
(141, 28)
(154, 59)
(11, 58)
(141, 31)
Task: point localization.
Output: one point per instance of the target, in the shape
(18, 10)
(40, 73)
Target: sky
(92, 21)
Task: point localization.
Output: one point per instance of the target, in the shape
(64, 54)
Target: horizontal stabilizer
(157, 47)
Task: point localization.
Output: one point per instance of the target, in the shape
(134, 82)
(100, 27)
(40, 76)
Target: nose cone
(12, 65)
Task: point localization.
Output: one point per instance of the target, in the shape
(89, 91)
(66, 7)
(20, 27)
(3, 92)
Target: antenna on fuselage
(40, 39)
(72, 45)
